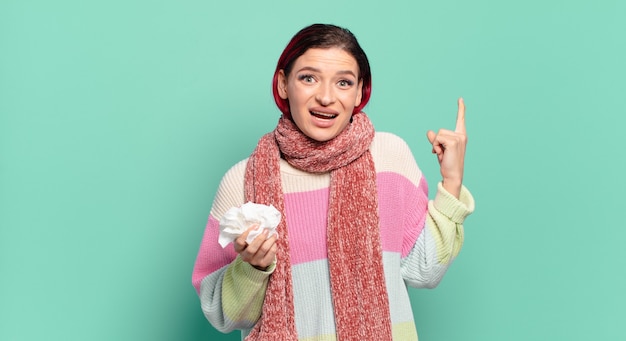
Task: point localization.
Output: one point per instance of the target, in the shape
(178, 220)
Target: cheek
(350, 99)
(296, 95)
(296, 105)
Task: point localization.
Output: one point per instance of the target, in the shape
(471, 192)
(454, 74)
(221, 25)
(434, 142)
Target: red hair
(322, 36)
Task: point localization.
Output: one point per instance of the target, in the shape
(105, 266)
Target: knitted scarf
(357, 279)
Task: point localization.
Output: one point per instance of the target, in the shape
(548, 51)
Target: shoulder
(385, 143)
(389, 150)
(392, 154)
(230, 192)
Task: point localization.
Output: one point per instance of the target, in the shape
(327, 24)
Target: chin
(321, 137)
(320, 133)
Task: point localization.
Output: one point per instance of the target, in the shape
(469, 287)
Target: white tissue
(238, 219)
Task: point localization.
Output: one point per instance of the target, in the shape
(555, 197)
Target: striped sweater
(420, 238)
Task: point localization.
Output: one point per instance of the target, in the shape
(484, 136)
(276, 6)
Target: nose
(325, 94)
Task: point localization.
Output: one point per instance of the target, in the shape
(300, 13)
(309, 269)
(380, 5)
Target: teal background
(118, 119)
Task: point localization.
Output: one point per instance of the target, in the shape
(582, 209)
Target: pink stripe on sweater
(396, 199)
(207, 263)
(401, 206)
(307, 228)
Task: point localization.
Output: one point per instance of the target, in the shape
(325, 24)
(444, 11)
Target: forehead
(330, 59)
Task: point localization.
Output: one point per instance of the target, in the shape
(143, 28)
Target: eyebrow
(342, 72)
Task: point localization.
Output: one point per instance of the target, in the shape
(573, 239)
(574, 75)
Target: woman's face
(322, 89)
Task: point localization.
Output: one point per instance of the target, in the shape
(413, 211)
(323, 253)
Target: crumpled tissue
(238, 219)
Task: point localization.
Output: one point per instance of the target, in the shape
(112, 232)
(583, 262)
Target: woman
(357, 224)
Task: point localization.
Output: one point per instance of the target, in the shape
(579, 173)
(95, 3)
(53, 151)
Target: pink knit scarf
(357, 279)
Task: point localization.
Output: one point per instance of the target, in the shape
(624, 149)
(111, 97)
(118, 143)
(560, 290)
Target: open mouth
(323, 115)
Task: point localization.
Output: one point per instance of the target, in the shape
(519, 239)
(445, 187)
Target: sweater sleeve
(431, 230)
(231, 291)
(440, 239)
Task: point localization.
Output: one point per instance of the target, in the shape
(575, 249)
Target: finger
(437, 146)
(437, 138)
(256, 244)
(431, 136)
(267, 245)
(258, 248)
(460, 117)
(261, 238)
(269, 257)
(268, 252)
(240, 242)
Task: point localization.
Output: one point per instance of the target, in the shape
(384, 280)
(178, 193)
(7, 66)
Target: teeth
(323, 114)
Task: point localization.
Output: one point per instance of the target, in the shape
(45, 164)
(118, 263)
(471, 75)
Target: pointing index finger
(460, 117)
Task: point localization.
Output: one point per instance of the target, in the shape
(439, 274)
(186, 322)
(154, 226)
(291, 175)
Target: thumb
(431, 136)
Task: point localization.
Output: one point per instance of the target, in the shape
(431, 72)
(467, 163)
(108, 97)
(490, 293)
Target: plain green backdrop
(118, 119)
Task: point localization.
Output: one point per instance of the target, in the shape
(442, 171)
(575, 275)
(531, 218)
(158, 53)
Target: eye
(306, 78)
(344, 83)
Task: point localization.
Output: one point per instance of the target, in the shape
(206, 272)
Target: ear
(282, 84)
(359, 95)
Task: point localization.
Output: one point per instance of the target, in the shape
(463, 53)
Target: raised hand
(260, 253)
(450, 149)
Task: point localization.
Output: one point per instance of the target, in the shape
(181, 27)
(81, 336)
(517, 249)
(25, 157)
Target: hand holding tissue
(238, 219)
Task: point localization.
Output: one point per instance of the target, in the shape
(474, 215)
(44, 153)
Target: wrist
(453, 186)
(269, 268)
(260, 268)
